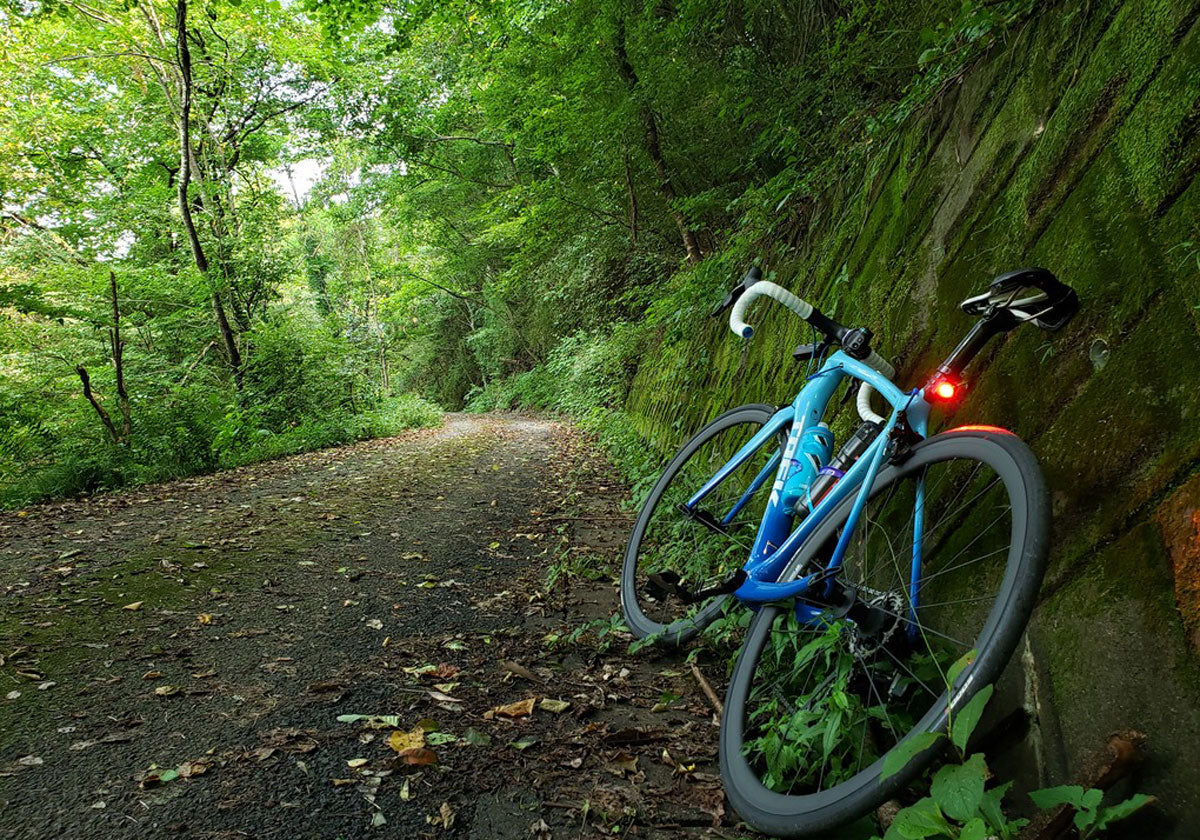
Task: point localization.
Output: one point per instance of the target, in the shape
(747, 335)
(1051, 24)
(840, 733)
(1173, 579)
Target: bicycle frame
(776, 543)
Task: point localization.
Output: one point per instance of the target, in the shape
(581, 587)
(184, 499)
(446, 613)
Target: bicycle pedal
(727, 588)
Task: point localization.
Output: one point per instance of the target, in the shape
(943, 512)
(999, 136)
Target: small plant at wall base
(960, 806)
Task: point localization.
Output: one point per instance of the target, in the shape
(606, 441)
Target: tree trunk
(118, 357)
(654, 149)
(633, 202)
(232, 354)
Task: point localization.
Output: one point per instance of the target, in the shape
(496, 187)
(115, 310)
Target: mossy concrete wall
(1074, 146)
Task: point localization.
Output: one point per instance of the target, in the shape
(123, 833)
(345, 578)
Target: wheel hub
(875, 619)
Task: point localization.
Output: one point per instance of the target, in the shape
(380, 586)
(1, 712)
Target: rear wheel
(824, 689)
(673, 552)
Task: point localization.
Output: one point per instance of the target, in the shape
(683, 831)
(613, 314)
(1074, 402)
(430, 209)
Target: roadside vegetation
(234, 230)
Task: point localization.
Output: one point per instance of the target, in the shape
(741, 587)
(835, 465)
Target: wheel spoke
(810, 723)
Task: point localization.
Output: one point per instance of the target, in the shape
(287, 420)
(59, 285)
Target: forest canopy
(232, 230)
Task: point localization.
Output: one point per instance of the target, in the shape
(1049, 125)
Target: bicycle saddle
(1050, 307)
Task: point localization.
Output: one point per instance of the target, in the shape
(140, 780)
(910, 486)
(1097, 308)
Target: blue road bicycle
(890, 578)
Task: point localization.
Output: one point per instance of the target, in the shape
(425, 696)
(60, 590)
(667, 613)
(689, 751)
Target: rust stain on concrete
(1179, 518)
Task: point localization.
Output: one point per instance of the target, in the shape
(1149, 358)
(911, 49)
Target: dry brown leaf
(522, 708)
(418, 756)
(192, 768)
(519, 670)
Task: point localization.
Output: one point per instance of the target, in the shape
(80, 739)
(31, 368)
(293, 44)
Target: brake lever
(752, 277)
(808, 351)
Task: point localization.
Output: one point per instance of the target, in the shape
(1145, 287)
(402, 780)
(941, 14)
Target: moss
(1136, 670)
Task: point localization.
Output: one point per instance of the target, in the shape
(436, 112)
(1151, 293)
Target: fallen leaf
(374, 623)
(205, 618)
(441, 697)
(12, 695)
(405, 792)
(411, 740)
(554, 706)
(447, 815)
(378, 819)
(523, 743)
(478, 739)
(151, 675)
(166, 690)
(356, 762)
(373, 721)
(136, 605)
(30, 761)
(419, 757)
(522, 708)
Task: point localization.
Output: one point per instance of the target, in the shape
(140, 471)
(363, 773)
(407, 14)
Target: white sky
(304, 174)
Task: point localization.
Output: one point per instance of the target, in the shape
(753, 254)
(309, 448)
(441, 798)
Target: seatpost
(994, 322)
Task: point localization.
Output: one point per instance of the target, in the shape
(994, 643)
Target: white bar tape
(880, 364)
(764, 288)
(864, 405)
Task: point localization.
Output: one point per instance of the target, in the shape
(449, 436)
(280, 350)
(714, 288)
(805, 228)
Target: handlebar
(765, 288)
(855, 342)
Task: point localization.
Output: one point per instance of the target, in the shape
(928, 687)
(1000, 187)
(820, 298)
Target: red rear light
(943, 389)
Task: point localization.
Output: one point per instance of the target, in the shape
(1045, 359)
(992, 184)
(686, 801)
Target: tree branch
(100, 412)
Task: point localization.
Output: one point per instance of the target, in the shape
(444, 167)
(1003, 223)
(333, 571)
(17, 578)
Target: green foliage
(960, 806)
(89, 223)
(1091, 816)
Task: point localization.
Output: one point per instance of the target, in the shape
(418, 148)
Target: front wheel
(824, 689)
(674, 552)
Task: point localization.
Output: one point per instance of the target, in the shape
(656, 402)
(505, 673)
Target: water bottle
(813, 451)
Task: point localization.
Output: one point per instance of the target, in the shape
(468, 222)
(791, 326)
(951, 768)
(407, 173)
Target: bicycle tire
(639, 622)
(784, 815)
